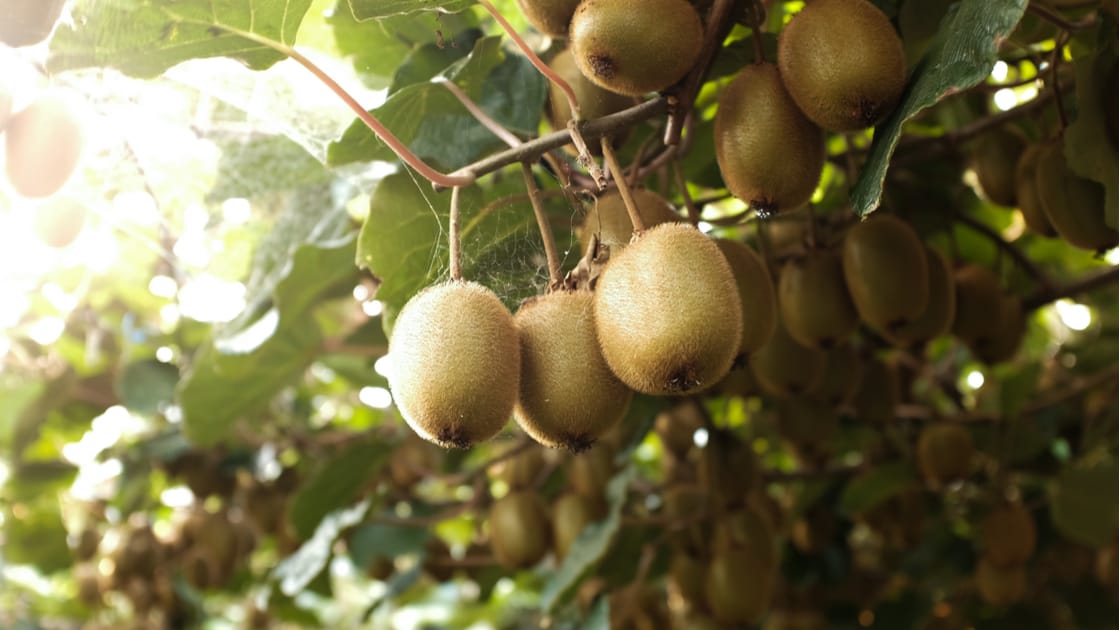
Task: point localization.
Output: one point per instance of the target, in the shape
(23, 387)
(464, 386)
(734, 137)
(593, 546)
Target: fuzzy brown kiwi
(843, 371)
(1012, 327)
(43, 143)
(686, 578)
(814, 300)
(1074, 205)
(550, 17)
(886, 271)
(937, 319)
(945, 453)
(589, 472)
(879, 392)
(456, 363)
(738, 587)
(609, 220)
(750, 528)
(571, 513)
(994, 156)
(568, 396)
(727, 468)
(412, 460)
(756, 294)
(843, 63)
(758, 127)
(520, 534)
(594, 101)
(678, 425)
(667, 312)
(635, 46)
(1008, 535)
(1000, 586)
(979, 300)
(784, 367)
(1026, 192)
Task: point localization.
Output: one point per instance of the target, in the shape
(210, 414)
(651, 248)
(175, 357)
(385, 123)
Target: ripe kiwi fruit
(686, 577)
(550, 17)
(1074, 205)
(568, 396)
(521, 471)
(727, 468)
(879, 392)
(1000, 586)
(589, 472)
(28, 22)
(994, 156)
(1026, 192)
(571, 513)
(738, 586)
(748, 527)
(945, 453)
(609, 219)
(843, 63)
(814, 300)
(806, 422)
(784, 367)
(1008, 535)
(594, 101)
(456, 363)
(758, 127)
(843, 370)
(682, 503)
(667, 312)
(979, 300)
(937, 319)
(756, 294)
(677, 425)
(43, 144)
(1012, 327)
(412, 460)
(886, 270)
(520, 534)
(635, 46)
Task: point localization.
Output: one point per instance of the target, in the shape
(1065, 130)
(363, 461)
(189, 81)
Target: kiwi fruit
(1000, 586)
(788, 232)
(1008, 535)
(1074, 205)
(28, 22)
(806, 422)
(550, 17)
(728, 468)
(6, 102)
(520, 534)
(994, 157)
(784, 367)
(814, 300)
(634, 47)
(843, 63)
(43, 143)
(886, 271)
(979, 300)
(757, 127)
(571, 513)
(412, 460)
(879, 392)
(738, 586)
(667, 312)
(609, 220)
(1026, 192)
(756, 294)
(456, 363)
(945, 453)
(594, 101)
(843, 371)
(523, 470)
(937, 319)
(1012, 327)
(682, 503)
(58, 221)
(686, 578)
(750, 528)
(568, 396)
(677, 425)
(589, 472)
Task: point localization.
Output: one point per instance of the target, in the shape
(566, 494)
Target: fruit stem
(381, 131)
(454, 242)
(623, 188)
(682, 185)
(756, 32)
(554, 277)
(1055, 61)
(713, 29)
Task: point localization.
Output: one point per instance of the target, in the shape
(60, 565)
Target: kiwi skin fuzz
(609, 219)
(757, 127)
(814, 300)
(887, 272)
(550, 17)
(594, 101)
(843, 63)
(456, 364)
(634, 47)
(568, 396)
(756, 295)
(667, 312)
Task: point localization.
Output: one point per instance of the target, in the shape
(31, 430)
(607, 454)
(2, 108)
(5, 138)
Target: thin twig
(495, 127)
(1059, 21)
(453, 237)
(619, 176)
(714, 28)
(554, 277)
(1024, 261)
(682, 185)
(1055, 63)
(478, 471)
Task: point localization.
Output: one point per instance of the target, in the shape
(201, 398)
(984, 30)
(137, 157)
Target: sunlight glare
(1075, 316)
(384, 366)
(236, 211)
(211, 300)
(164, 354)
(136, 207)
(999, 72)
(700, 438)
(163, 286)
(177, 497)
(1006, 99)
(47, 330)
(62, 301)
(372, 308)
(975, 379)
(96, 249)
(13, 305)
(376, 397)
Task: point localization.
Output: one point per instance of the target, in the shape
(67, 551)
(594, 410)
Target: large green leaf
(144, 387)
(963, 55)
(144, 38)
(251, 167)
(372, 9)
(1084, 502)
(877, 485)
(1088, 142)
(302, 567)
(34, 534)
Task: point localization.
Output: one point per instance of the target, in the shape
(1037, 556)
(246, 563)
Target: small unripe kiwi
(550, 17)
(843, 371)
(784, 367)
(667, 312)
(635, 46)
(571, 513)
(1008, 535)
(1074, 205)
(568, 396)
(994, 157)
(1026, 192)
(979, 300)
(843, 63)
(43, 144)
(609, 219)
(757, 127)
(738, 587)
(887, 273)
(814, 300)
(594, 101)
(456, 363)
(937, 319)
(1000, 586)
(520, 534)
(945, 453)
(756, 294)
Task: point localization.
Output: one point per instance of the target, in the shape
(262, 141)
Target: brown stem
(494, 126)
(467, 476)
(1055, 62)
(456, 253)
(756, 32)
(1059, 21)
(619, 176)
(1024, 261)
(554, 277)
(1095, 280)
(713, 31)
(682, 185)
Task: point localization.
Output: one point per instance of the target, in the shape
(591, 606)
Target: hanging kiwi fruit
(887, 272)
(610, 222)
(814, 300)
(550, 17)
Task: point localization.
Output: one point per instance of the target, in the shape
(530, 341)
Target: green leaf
(34, 534)
(144, 387)
(299, 569)
(591, 545)
(263, 164)
(1084, 502)
(372, 9)
(143, 38)
(1088, 146)
(379, 540)
(962, 56)
(877, 485)
(335, 483)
